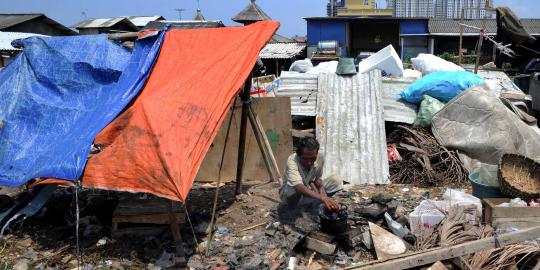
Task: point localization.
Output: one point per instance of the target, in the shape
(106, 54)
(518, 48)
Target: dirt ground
(47, 240)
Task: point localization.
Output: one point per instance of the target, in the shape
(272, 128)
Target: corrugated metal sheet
(449, 26)
(141, 21)
(7, 37)
(302, 89)
(98, 23)
(7, 20)
(183, 24)
(281, 50)
(498, 82)
(350, 128)
(395, 109)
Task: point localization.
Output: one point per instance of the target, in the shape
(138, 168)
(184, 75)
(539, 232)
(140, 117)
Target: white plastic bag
(301, 66)
(324, 68)
(427, 215)
(428, 63)
(456, 197)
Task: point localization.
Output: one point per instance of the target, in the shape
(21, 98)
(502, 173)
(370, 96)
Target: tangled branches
(424, 161)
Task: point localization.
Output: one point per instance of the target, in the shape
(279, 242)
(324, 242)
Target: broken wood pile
(456, 230)
(424, 162)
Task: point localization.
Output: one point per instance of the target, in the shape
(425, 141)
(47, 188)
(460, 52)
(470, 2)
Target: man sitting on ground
(302, 177)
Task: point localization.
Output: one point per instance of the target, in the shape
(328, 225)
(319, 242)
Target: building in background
(409, 36)
(412, 8)
(360, 8)
(36, 23)
(451, 9)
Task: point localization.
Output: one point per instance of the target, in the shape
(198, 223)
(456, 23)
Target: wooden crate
(509, 217)
(147, 211)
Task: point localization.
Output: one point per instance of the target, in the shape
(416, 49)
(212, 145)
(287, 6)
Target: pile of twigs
(502, 258)
(424, 161)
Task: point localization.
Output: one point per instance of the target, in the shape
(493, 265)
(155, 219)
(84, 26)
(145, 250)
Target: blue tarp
(58, 94)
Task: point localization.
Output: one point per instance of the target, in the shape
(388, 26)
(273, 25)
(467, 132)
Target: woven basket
(519, 176)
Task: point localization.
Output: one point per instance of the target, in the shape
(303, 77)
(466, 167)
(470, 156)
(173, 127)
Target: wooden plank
(265, 151)
(505, 217)
(162, 218)
(260, 129)
(441, 254)
(275, 116)
(519, 223)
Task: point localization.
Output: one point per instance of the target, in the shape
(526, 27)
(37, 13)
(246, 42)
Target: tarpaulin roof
(57, 95)
(158, 143)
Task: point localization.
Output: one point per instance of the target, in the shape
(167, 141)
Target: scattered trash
(428, 107)
(394, 226)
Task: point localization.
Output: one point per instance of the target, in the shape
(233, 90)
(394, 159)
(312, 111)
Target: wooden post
(175, 230)
(460, 52)
(245, 98)
(266, 142)
(481, 40)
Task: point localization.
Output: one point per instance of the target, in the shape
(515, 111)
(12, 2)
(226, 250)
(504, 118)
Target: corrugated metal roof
(141, 21)
(302, 89)
(277, 38)
(252, 12)
(281, 50)
(7, 37)
(395, 109)
(7, 20)
(183, 24)
(446, 26)
(350, 128)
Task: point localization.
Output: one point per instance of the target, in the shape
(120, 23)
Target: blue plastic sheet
(442, 85)
(58, 94)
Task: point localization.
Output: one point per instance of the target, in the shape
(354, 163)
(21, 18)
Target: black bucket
(333, 223)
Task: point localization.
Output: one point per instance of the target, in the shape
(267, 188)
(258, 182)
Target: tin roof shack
(279, 56)
(7, 51)
(36, 23)
(105, 26)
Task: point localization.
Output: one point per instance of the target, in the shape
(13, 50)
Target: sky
(288, 12)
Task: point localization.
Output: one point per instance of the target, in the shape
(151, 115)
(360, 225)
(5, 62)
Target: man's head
(307, 150)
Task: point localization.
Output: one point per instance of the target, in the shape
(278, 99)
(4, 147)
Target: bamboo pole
(245, 97)
(460, 52)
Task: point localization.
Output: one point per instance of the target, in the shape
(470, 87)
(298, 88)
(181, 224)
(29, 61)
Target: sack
(301, 66)
(428, 108)
(429, 63)
(442, 85)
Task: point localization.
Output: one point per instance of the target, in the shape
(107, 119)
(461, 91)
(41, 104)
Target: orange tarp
(158, 143)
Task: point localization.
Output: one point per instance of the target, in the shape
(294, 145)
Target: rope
(190, 224)
(214, 208)
(77, 217)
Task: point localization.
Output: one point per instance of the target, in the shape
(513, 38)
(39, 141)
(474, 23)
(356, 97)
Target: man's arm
(320, 195)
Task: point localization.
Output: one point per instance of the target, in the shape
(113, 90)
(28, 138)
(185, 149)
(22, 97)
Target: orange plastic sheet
(158, 143)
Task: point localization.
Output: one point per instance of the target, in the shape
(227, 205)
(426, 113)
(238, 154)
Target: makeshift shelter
(55, 98)
(158, 143)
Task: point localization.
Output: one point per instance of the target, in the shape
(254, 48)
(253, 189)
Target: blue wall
(414, 27)
(327, 30)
